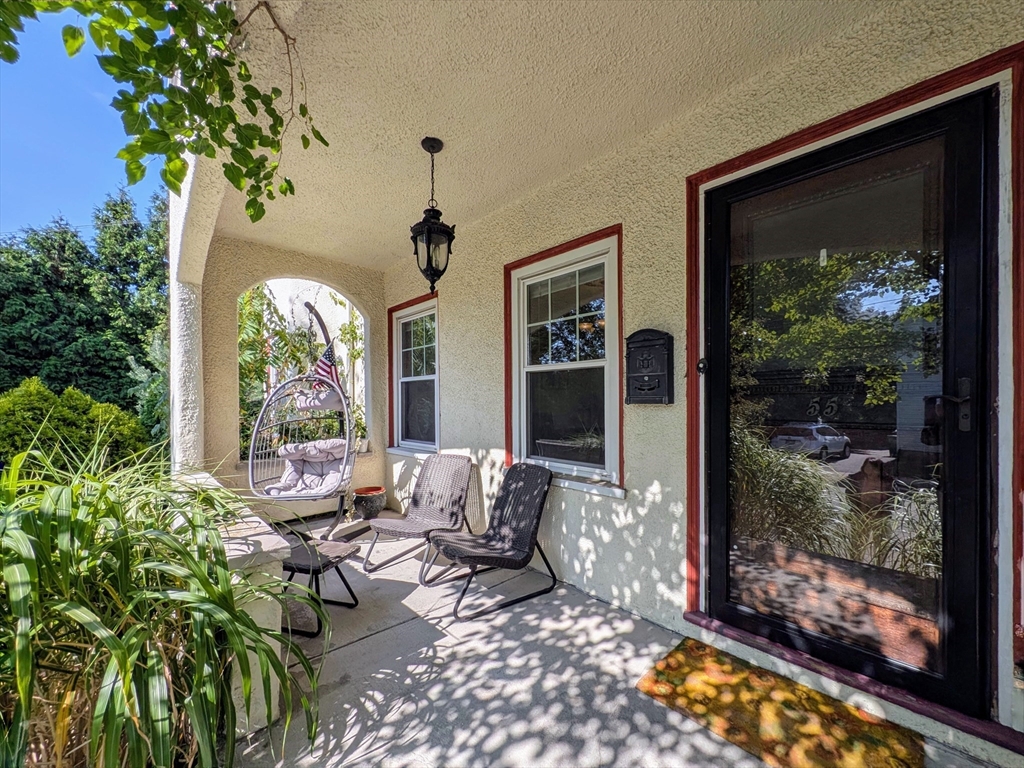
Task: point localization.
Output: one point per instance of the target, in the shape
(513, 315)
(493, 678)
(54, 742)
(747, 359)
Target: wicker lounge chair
(438, 503)
(510, 538)
(317, 558)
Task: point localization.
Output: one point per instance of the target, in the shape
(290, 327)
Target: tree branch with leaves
(184, 76)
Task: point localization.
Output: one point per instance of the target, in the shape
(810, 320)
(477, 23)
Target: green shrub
(33, 417)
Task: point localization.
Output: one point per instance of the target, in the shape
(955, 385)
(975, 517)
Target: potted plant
(122, 626)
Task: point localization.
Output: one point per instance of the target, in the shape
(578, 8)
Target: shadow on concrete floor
(549, 682)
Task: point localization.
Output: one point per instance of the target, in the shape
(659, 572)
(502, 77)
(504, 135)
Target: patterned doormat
(786, 724)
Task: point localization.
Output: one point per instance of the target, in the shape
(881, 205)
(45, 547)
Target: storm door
(847, 403)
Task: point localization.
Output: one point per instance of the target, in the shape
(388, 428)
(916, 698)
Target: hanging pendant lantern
(431, 237)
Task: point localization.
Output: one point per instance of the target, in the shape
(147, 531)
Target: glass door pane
(836, 454)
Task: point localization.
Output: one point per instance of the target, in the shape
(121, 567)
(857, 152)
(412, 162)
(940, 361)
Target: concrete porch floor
(548, 682)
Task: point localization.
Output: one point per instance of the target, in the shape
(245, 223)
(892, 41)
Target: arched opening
(277, 339)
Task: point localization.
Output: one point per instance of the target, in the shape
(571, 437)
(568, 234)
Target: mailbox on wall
(649, 367)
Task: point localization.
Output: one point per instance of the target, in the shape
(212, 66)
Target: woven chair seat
(317, 556)
(485, 550)
(418, 526)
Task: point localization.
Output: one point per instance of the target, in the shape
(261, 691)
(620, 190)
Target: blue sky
(58, 133)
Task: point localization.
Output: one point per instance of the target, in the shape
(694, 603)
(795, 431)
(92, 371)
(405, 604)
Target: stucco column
(186, 376)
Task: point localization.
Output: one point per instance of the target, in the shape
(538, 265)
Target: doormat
(786, 724)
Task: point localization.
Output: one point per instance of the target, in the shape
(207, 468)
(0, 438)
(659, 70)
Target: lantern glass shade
(422, 252)
(439, 251)
(432, 245)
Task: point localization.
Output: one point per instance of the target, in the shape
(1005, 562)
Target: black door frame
(970, 127)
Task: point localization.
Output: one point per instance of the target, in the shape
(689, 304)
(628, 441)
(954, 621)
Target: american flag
(327, 367)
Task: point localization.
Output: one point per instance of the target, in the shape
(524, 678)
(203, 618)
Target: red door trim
(613, 231)
(392, 439)
(1010, 58)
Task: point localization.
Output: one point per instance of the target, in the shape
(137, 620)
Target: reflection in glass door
(844, 404)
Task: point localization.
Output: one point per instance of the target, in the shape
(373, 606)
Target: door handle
(963, 401)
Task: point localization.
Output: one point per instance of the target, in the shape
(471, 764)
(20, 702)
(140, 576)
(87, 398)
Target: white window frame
(606, 252)
(408, 315)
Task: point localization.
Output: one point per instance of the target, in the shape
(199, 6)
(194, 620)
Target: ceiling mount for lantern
(431, 237)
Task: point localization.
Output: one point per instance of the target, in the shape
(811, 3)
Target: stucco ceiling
(520, 92)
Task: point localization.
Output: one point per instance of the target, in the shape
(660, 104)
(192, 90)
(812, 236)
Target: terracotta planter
(369, 501)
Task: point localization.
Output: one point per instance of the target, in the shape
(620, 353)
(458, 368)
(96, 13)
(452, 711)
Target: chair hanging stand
(303, 449)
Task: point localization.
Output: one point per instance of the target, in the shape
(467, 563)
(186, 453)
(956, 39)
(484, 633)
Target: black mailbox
(649, 367)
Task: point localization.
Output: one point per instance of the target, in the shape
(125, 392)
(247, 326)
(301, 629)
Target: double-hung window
(415, 374)
(565, 361)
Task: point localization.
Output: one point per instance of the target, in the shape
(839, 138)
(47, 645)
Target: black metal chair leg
(506, 603)
(314, 586)
(369, 567)
(342, 603)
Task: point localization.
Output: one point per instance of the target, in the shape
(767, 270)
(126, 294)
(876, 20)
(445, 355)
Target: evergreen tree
(78, 317)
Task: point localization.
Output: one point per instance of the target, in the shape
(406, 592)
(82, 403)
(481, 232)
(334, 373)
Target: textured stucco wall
(192, 216)
(234, 266)
(632, 552)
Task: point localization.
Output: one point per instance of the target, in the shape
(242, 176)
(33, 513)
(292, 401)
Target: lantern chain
(432, 203)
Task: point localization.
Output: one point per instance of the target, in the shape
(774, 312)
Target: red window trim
(613, 231)
(392, 442)
(1010, 58)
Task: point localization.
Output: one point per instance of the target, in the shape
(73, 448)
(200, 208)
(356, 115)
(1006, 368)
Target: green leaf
(156, 143)
(135, 171)
(20, 589)
(98, 34)
(305, 141)
(243, 72)
(159, 706)
(145, 35)
(131, 151)
(255, 209)
(318, 135)
(235, 175)
(9, 53)
(303, 111)
(74, 38)
(173, 173)
(135, 121)
(116, 67)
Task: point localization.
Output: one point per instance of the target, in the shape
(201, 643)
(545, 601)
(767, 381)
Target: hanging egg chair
(304, 444)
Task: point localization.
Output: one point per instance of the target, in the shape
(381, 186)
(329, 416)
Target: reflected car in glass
(818, 440)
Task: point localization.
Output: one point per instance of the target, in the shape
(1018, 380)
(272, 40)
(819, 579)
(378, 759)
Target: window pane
(592, 337)
(417, 417)
(563, 296)
(417, 332)
(563, 342)
(429, 326)
(537, 300)
(407, 335)
(407, 363)
(417, 362)
(592, 289)
(836, 458)
(565, 415)
(539, 345)
(429, 363)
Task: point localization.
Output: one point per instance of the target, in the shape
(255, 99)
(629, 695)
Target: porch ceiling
(521, 92)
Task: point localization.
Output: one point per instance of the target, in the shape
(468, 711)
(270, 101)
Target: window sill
(416, 453)
(595, 487)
